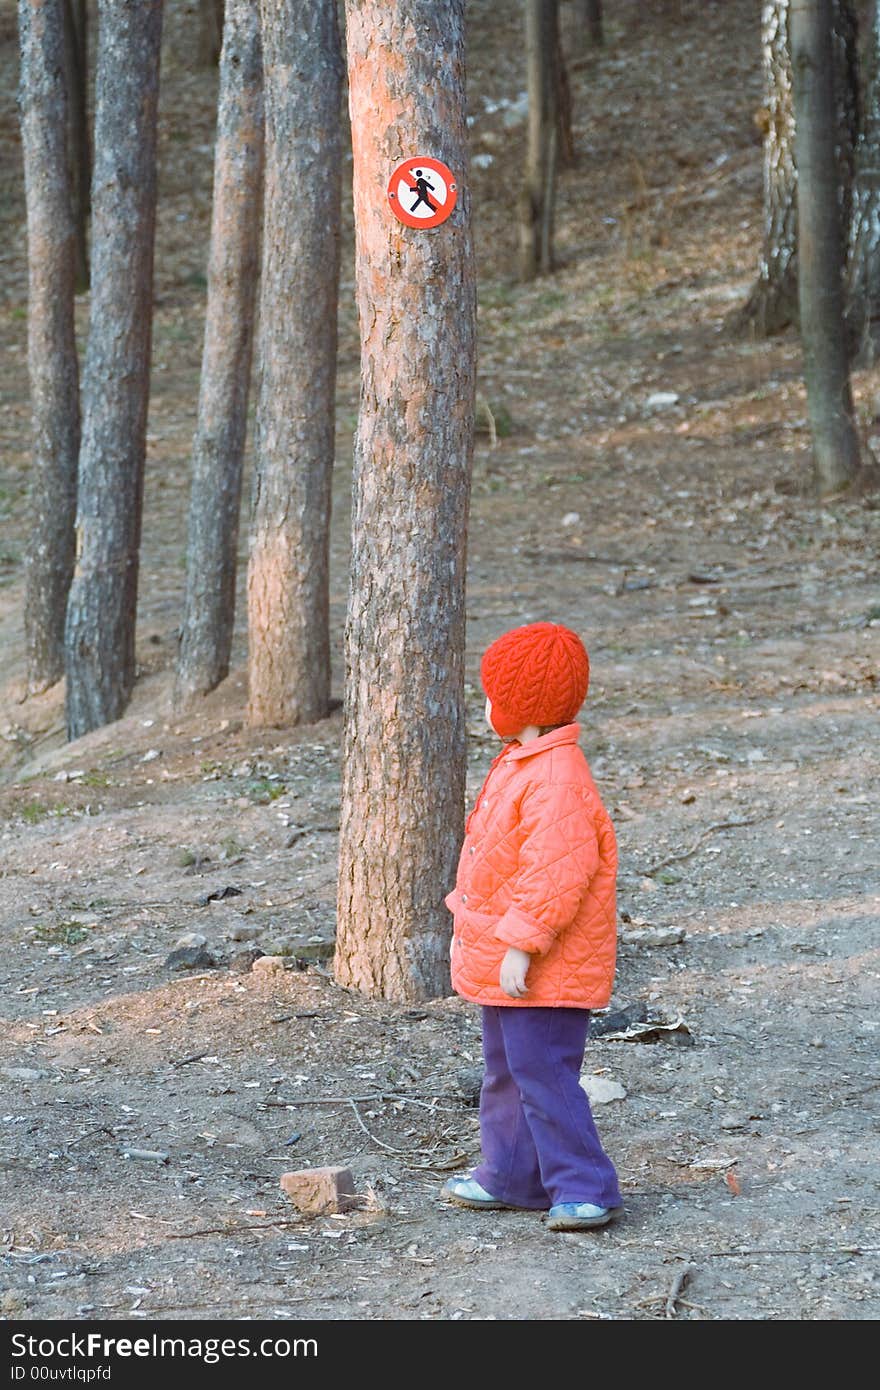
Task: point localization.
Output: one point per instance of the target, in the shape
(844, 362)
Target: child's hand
(514, 969)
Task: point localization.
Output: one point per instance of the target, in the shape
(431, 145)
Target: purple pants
(540, 1145)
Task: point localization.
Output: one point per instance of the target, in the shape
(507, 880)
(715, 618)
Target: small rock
(735, 1121)
(653, 936)
(601, 1089)
(219, 894)
(313, 950)
(244, 931)
(190, 958)
(571, 518)
(242, 961)
(24, 1073)
(660, 400)
(469, 1081)
(617, 1020)
(320, 1190)
(190, 939)
(269, 965)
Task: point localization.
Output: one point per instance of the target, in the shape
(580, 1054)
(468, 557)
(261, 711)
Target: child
(534, 936)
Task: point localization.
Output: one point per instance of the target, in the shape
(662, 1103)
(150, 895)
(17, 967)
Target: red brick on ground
(318, 1190)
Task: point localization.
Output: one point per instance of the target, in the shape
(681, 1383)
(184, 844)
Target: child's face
(489, 713)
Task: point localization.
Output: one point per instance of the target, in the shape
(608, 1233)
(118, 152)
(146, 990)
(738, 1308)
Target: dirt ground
(732, 623)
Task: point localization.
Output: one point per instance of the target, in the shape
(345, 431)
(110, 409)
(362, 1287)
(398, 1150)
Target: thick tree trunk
(103, 595)
(77, 68)
(773, 302)
(863, 289)
(538, 197)
(403, 777)
(820, 252)
(591, 16)
(52, 360)
(288, 584)
(218, 449)
(211, 26)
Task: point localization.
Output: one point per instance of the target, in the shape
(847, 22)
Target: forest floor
(733, 625)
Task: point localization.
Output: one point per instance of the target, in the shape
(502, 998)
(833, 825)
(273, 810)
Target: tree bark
(211, 26)
(403, 777)
(773, 302)
(591, 16)
(288, 583)
(103, 596)
(77, 68)
(820, 253)
(538, 197)
(218, 448)
(863, 287)
(52, 360)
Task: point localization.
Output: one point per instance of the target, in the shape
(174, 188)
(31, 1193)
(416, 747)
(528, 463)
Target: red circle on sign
(422, 192)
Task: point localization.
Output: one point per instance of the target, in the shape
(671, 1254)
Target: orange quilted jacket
(537, 870)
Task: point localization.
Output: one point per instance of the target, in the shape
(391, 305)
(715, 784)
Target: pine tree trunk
(52, 360)
(773, 302)
(863, 288)
(211, 25)
(77, 68)
(288, 583)
(218, 448)
(820, 252)
(591, 16)
(103, 596)
(538, 197)
(403, 777)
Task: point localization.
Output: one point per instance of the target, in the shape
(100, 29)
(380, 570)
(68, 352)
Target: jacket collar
(568, 733)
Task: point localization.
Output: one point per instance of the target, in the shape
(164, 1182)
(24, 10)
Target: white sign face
(422, 192)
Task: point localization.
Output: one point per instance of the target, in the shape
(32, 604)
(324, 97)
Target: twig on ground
(795, 1250)
(99, 1129)
(230, 1230)
(448, 1166)
(382, 1145)
(676, 1288)
(378, 1098)
(686, 854)
(185, 1061)
(303, 830)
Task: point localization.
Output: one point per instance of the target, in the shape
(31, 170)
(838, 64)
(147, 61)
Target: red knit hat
(537, 674)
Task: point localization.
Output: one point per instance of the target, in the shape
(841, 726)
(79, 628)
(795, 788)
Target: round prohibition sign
(422, 192)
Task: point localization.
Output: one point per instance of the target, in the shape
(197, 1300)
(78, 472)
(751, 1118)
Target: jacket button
(464, 897)
(473, 851)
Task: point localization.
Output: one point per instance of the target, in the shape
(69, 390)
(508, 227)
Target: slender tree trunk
(52, 360)
(538, 198)
(103, 597)
(77, 67)
(565, 130)
(773, 302)
(863, 289)
(403, 774)
(591, 16)
(288, 583)
(820, 255)
(218, 449)
(211, 26)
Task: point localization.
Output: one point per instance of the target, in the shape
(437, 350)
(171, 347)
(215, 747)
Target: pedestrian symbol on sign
(422, 192)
